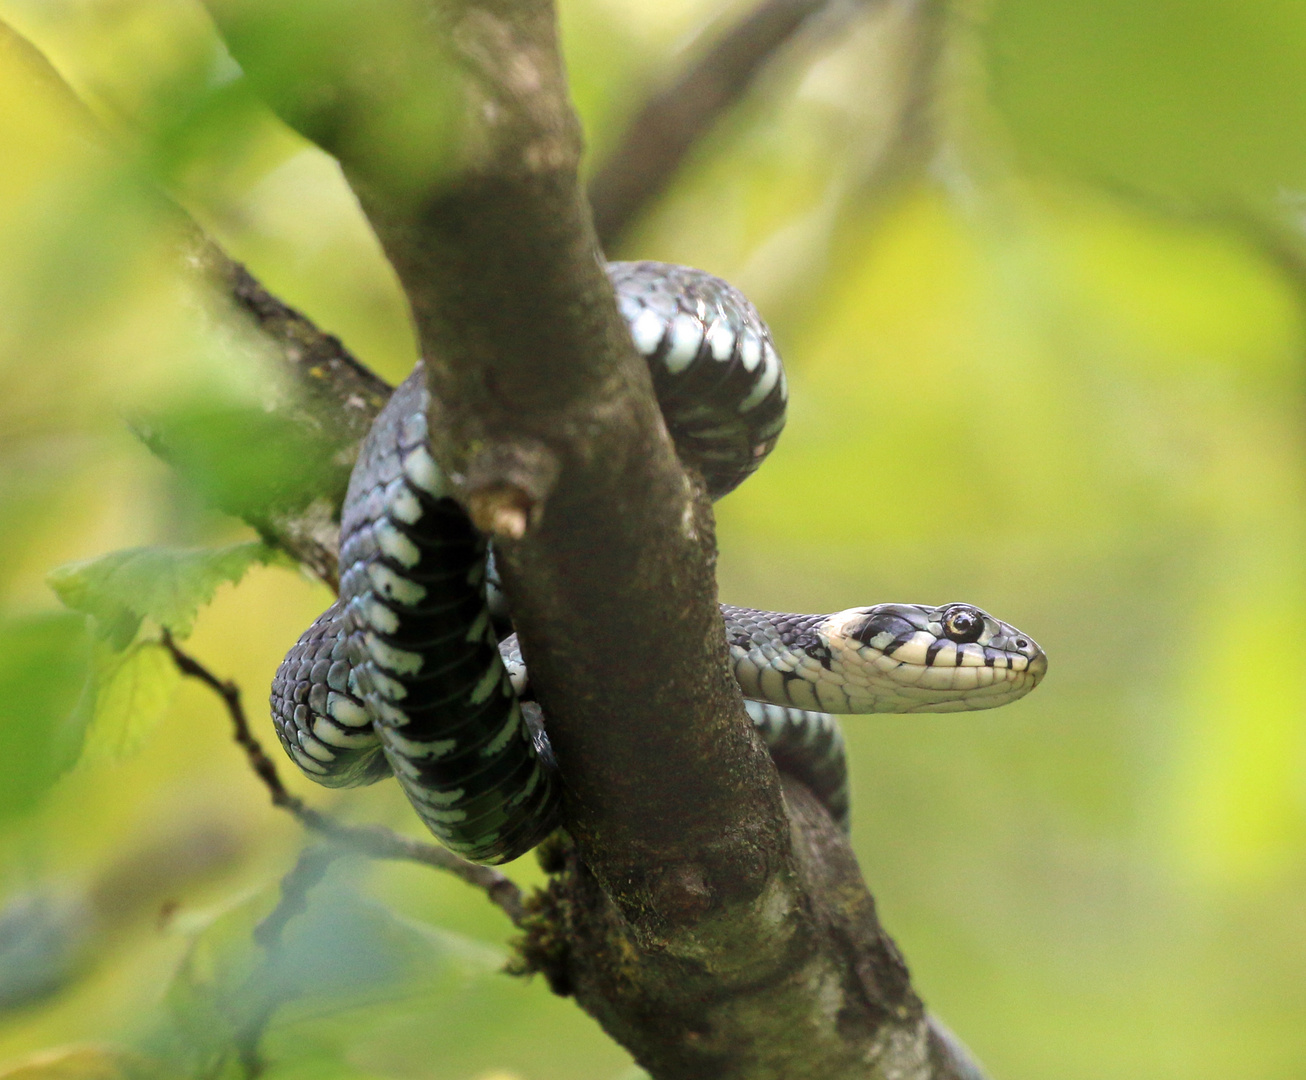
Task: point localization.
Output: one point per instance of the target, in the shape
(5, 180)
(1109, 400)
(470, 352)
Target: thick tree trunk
(714, 923)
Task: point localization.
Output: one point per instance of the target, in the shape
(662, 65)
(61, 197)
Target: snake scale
(405, 674)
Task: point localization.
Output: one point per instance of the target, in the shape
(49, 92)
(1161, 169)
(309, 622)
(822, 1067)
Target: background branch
(668, 125)
(333, 402)
(674, 119)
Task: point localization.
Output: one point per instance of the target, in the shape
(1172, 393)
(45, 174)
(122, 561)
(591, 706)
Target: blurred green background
(1060, 376)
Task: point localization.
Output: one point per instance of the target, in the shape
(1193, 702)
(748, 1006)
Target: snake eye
(963, 624)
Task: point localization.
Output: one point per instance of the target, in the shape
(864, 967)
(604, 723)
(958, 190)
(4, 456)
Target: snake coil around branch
(406, 674)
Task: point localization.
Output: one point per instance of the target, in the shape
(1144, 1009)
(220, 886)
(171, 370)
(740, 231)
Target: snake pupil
(963, 625)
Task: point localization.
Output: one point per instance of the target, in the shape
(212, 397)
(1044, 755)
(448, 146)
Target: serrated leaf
(132, 692)
(166, 585)
(44, 663)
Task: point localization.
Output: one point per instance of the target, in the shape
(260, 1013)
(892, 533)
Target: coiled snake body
(405, 674)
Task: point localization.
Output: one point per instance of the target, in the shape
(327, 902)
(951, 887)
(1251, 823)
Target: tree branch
(370, 840)
(714, 925)
(674, 119)
(335, 398)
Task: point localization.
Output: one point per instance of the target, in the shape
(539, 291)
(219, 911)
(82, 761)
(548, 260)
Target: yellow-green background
(1060, 378)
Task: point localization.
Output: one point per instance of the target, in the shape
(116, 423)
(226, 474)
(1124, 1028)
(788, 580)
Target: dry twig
(371, 840)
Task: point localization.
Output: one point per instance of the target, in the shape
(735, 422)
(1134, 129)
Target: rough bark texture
(538, 379)
(714, 928)
(714, 921)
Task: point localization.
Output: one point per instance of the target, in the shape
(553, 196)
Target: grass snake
(405, 673)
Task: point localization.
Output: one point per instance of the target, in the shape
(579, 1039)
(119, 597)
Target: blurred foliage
(43, 666)
(1061, 377)
(361, 86)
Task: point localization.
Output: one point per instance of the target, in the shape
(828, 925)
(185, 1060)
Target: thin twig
(373, 841)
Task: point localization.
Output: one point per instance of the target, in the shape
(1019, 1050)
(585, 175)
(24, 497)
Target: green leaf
(167, 585)
(44, 662)
(133, 681)
(371, 85)
(132, 691)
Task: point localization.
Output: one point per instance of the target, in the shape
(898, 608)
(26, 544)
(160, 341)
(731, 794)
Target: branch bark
(333, 403)
(715, 925)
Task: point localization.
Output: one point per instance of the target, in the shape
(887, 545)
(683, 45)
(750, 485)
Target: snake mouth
(914, 658)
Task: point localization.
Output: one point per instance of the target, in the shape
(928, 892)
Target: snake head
(914, 658)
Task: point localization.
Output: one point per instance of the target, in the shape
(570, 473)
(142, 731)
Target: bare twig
(673, 120)
(309, 869)
(371, 840)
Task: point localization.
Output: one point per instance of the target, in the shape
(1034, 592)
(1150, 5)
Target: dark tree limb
(715, 926)
(333, 401)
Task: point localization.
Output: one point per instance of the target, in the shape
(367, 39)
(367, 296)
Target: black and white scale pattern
(888, 658)
(404, 674)
(716, 372)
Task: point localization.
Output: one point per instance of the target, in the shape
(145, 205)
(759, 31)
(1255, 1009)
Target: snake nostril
(1021, 643)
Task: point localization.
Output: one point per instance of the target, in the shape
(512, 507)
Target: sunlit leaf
(356, 79)
(243, 460)
(166, 585)
(132, 690)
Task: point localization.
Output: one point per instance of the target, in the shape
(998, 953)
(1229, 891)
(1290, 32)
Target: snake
(409, 674)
